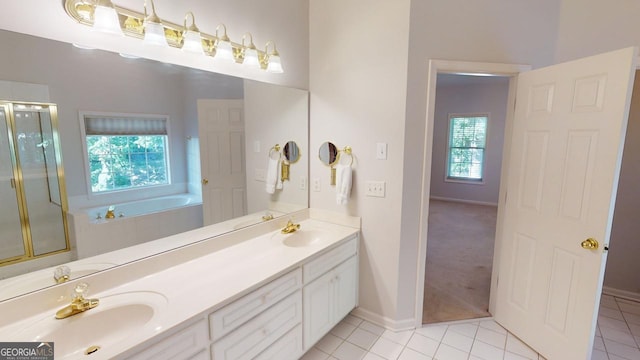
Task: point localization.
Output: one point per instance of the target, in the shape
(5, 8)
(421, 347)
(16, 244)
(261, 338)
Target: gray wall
(623, 266)
(479, 95)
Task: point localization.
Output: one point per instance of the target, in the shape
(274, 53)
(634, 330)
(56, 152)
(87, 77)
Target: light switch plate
(381, 151)
(303, 183)
(376, 188)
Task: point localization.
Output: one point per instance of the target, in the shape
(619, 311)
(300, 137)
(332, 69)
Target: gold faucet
(110, 213)
(78, 304)
(267, 217)
(291, 227)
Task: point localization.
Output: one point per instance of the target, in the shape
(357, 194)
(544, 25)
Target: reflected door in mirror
(222, 159)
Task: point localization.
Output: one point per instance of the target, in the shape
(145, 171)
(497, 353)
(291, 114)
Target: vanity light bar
(132, 24)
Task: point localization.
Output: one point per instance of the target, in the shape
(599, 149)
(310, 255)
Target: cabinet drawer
(252, 338)
(288, 347)
(329, 260)
(238, 312)
(182, 345)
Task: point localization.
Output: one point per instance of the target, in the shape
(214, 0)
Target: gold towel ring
(346, 150)
(276, 148)
(350, 157)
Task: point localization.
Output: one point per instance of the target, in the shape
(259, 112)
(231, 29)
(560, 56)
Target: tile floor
(617, 338)
(618, 332)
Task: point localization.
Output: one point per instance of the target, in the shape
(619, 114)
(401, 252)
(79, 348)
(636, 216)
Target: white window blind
(120, 125)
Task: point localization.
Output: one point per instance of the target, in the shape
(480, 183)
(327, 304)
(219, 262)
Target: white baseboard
(624, 294)
(393, 325)
(473, 202)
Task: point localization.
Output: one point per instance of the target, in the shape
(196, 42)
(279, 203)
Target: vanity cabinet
(186, 344)
(277, 321)
(240, 311)
(330, 297)
(249, 340)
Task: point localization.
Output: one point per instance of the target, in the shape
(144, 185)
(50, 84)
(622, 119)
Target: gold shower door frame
(29, 253)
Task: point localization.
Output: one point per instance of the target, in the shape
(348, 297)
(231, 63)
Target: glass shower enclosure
(33, 211)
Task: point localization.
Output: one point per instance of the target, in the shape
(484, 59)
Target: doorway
(617, 63)
(469, 123)
(437, 67)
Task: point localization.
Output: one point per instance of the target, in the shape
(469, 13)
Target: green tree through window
(121, 162)
(467, 142)
(126, 151)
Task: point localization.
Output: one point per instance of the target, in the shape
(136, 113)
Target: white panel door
(222, 159)
(567, 141)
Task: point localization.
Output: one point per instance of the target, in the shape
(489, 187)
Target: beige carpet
(459, 259)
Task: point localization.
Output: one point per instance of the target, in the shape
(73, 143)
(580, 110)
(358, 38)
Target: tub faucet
(78, 304)
(291, 227)
(110, 213)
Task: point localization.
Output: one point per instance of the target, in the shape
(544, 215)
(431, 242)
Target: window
(467, 142)
(126, 152)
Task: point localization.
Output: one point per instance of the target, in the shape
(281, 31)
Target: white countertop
(206, 283)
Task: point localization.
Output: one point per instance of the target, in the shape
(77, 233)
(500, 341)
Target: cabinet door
(345, 288)
(318, 309)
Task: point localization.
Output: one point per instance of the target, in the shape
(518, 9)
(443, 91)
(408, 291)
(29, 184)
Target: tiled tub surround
(136, 222)
(196, 280)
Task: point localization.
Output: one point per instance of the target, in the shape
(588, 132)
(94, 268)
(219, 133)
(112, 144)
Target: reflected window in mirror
(125, 152)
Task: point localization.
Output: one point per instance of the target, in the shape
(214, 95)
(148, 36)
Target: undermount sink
(117, 318)
(300, 238)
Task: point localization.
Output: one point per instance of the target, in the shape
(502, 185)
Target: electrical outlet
(303, 183)
(376, 188)
(316, 184)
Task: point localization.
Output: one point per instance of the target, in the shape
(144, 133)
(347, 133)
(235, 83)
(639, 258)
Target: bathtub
(136, 222)
(145, 207)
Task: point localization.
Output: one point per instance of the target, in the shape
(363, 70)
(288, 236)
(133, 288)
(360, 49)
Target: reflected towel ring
(350, 157)
(347, 151)
(276, 149)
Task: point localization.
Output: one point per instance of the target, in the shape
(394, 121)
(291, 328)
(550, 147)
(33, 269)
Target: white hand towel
(272, 175)
(343, 183)
(279, 179)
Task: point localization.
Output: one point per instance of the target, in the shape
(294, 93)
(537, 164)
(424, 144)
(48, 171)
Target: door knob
(205, 181)
(590, 244)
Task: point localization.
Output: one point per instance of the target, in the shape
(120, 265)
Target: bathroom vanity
(263, 295)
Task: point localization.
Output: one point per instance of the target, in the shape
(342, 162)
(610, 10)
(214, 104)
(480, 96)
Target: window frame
(131, 190)
(465, 180)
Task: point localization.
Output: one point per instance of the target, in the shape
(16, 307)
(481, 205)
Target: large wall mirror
(220, 130)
